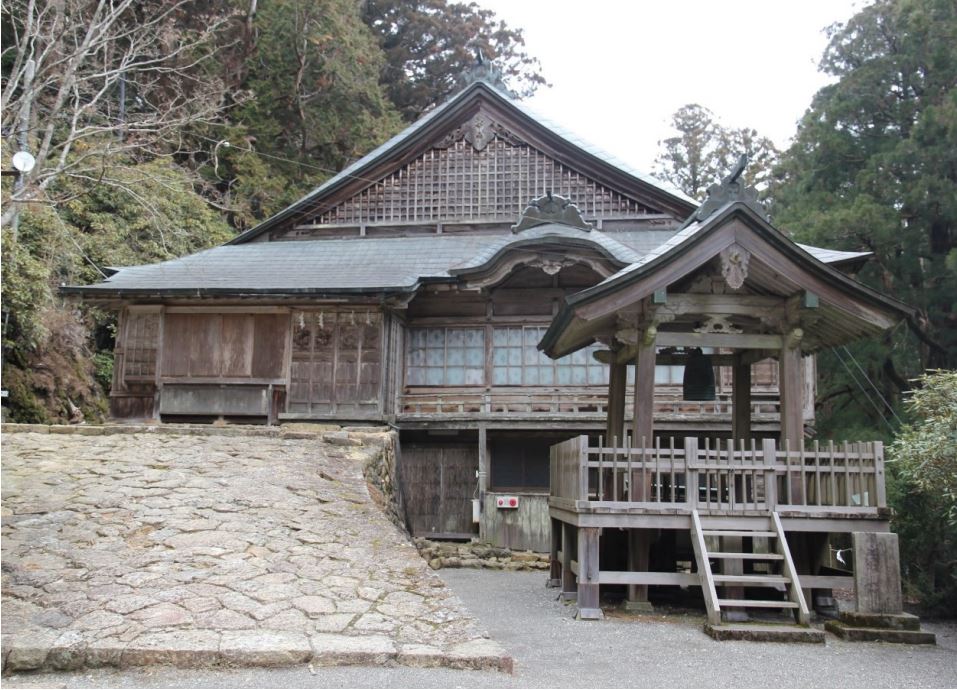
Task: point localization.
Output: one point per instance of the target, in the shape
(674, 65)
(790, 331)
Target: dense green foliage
(429, 43)
(192, 120)
(874, 168)
(924, 491)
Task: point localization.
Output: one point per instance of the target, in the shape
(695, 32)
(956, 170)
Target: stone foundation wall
(379, 469)
(477, 555)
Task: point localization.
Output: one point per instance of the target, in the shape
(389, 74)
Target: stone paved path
(132, 549)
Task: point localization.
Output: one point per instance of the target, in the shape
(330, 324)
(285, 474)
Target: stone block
(182, 648)
(105, 652)
(889, 621)
(264, 648)
(480, 655)
(68, 652)
(877, 578)
(421, 656)
(343, 650)
(756, 632)
(856, 634)
(28, 651)
(340, 438)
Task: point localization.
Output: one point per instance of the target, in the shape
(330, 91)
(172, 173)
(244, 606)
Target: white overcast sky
(620, 69)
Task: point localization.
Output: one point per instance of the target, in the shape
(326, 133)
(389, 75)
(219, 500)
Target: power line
(873, 385)
(228, 144)
(854, 378)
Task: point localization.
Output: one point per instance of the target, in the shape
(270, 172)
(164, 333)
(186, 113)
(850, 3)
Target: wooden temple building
(521, 308)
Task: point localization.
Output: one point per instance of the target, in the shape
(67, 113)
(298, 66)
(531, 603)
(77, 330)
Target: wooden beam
(730, 304)
(752, 341)
(624, 577)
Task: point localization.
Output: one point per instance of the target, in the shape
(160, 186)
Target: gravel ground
(553, 650)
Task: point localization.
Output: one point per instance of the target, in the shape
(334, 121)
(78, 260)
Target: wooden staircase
(781, 577)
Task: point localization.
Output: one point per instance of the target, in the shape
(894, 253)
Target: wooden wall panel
(205, 337)
(224, 346)
(336, 363)
(237, 335)
(269, 345)
(176, 344)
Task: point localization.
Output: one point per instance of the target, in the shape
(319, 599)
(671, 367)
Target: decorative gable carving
(551, 208)
(479, 131)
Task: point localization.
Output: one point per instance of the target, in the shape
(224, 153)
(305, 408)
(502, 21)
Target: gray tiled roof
(361, 264)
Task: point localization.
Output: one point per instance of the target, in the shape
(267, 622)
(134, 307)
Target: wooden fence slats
(720, 477)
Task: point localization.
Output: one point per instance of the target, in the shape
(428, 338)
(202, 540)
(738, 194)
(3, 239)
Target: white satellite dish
(23, 161)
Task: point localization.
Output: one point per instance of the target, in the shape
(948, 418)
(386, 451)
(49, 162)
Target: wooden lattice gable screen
(480, 171)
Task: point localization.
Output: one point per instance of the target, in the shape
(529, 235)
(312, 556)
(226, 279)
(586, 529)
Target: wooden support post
(617, 385)
(554, 564)
(639, 547)
(589, 606)
(741, 403)
(791, 377)
(483, 470)
(569, 549)
(644, 408)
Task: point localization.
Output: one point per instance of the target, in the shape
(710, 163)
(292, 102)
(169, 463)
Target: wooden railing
(567, 401)
(721, 478)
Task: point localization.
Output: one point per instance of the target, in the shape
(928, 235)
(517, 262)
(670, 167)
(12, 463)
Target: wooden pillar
(639, 548)
(791, 378)
(569, 548)
(483, 471)
(740, 431)
(617, 385)
(554, 564)
(741, 401)
(589, 606)
(643, 422)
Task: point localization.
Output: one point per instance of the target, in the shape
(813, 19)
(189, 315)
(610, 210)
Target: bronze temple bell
(698, 381)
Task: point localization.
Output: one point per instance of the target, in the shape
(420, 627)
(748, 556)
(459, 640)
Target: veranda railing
(721, 477)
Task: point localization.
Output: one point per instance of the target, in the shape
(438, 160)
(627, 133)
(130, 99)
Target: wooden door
(438, 483)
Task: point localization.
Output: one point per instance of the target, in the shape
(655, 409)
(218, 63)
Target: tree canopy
(429, 43)
(160, 128)
(703, 151)
(874, 168)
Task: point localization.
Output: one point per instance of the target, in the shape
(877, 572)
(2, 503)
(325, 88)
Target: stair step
(756, 604)
(757, 632)
(737, 533)
(747, 556)
(753, 579)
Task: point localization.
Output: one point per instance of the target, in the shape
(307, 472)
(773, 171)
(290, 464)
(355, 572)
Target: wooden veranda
(722, 494)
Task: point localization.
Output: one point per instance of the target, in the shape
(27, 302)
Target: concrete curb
(205, 648)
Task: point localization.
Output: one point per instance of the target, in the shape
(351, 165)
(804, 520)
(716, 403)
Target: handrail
(501, 400)
(721, 478)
